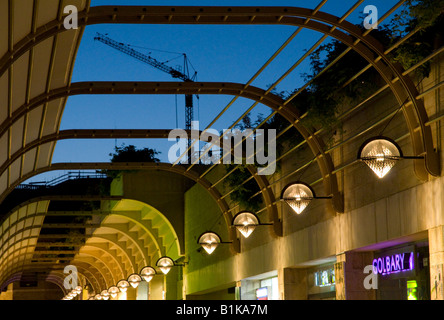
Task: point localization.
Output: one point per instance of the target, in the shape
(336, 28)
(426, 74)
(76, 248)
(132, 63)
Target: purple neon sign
(393, 264)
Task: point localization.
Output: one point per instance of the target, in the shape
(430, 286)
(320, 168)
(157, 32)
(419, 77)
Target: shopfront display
(403, 272)
(321, 283)
(260, 287)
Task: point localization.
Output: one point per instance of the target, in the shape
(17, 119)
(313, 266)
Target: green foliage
(243, 191)
(332, 89)
(428, 17)
(322, 99)
(131, 154)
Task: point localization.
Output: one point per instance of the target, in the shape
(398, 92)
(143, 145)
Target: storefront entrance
(403, 272)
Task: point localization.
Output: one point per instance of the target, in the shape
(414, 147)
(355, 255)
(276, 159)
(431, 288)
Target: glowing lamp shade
(98, 297)
(380, 154)
(245, 222)
(165, 264)
(297, 195)
(209, 241)
(147, 273)
(123, 285)
(113, 291)
(105, 294)
(79, 289)
(134, 280)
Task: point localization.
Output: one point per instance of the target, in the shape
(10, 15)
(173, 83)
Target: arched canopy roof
(36, 63)
(123, 240)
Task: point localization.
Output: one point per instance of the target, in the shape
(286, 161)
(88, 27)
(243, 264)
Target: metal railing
(71, 175)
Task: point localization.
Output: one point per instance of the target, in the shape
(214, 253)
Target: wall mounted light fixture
(147, 273)
(123, 285)
(134, 280)
(210, 241)
(381, 154)
(105, 294)
(246, 222)
(113, 291)
(165, 264)
(298, 195)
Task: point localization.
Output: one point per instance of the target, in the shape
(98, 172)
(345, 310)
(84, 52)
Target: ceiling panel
(4, 26)
(22, 18)
(50, 67)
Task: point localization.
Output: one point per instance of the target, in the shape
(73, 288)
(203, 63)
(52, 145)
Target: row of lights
(73, 293)
(379, 153)
(147, 273)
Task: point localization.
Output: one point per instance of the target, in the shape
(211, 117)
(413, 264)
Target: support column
(157, 287)
(436, 262)
(131, 293)
(349, 276)
(293, 284)
(142, 291)
(171, 280)
(84, 294)
(237, 292)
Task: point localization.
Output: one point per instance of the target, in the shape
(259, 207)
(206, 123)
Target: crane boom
(156, 64)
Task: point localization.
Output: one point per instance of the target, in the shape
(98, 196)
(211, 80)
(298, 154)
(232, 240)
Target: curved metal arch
(14, 267)
(16, 276)
(136, 166)
(10, 252)
(109, 226)
(11, 279)
(142, 247)
(83, 134)
(422, 141)
(86, 271)
(121, 249)
(57, 280)
(96, 274)
(9, 260)
(10, 263)
(144, 228)
(121, 87)
(140, 222)
(269, 99)
(60, 277)
(107, 253)
(6, 250)
(138, 246)
(105, 268)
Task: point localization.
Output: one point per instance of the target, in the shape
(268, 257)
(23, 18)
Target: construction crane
(177, 74)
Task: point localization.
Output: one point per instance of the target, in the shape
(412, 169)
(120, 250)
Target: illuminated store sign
(394, 263)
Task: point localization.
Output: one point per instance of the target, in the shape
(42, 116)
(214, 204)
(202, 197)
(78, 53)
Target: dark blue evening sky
(218, 53)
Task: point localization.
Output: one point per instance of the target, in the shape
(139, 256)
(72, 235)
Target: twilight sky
(218, 53)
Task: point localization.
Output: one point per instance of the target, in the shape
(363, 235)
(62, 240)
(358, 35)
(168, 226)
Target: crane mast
(158, 65)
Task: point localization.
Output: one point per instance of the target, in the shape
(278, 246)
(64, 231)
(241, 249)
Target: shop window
(324, 278)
